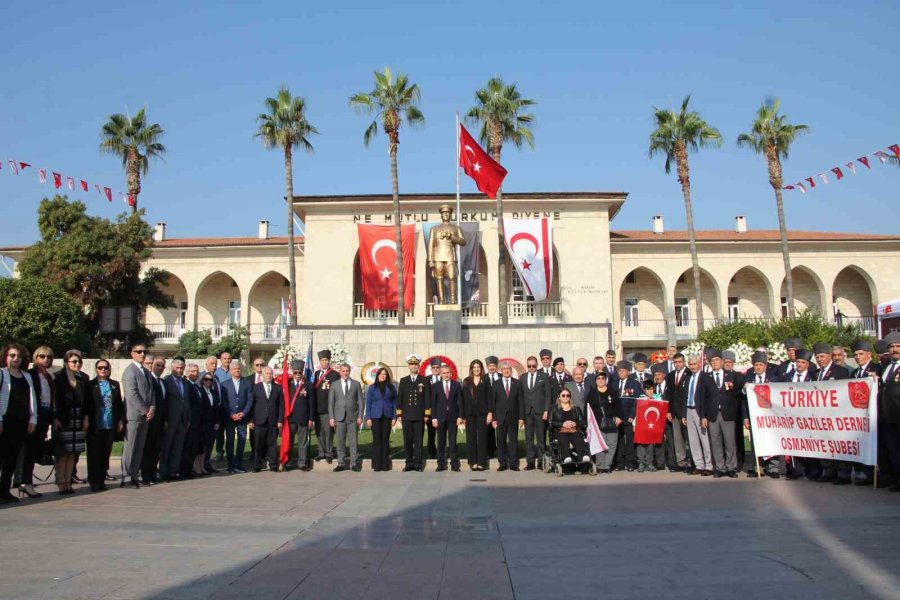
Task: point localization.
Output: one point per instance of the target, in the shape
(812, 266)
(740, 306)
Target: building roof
(452, 196)
(225, 241)
(759, 235)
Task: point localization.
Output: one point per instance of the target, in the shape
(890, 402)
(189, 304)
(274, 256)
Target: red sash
(322, 376)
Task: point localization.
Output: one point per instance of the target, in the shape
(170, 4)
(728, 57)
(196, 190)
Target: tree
(771, 135)
(136, 143)
(235, 342)
(498, 109)
(194, 343)
(34, 312)
(392, 100)
(96, 261)
(285, 126)
(675, 135)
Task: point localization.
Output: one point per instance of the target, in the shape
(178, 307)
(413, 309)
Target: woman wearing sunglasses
(68, 423)
(18, 413)
(567, 422)
(104, 416)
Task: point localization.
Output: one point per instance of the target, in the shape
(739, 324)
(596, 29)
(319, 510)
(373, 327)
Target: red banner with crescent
(650, 421)
(530, 245)
(378, 265)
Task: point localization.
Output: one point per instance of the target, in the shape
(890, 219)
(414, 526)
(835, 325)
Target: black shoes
(515, 468)
(356, 469)
(732, 474)
(529, 467)
(455, 469)
(441, 468)
(502, 468)
(339, 468)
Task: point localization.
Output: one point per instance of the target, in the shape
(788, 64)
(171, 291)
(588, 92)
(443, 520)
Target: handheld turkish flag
(487, 172)
(650, 421)
(378, 265)
(594, 438)
(530, 245)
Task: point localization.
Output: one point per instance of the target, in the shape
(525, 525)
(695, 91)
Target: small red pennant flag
(84, 185)
(42, 175)
(788, 187)
(812, 182)
(23, 166)
(57, 180)
(895, 149)
(131, 201)
(70, 183)
(108, 193)
(838, 173)
(864, 160)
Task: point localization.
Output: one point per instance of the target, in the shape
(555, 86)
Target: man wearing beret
(412, 410)
(866, 367)
(546, 358)
(640, 367)
(435, 366)
(629, 390)
(322, 380)
(889, 428)
(760, 374)
(799, 374)
(830, 371)
(718, 412)
(728, 359)
(676, 389)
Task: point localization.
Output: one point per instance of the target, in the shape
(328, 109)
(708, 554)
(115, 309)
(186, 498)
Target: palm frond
(499, 108)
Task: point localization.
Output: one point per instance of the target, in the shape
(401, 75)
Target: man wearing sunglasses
(139, 409)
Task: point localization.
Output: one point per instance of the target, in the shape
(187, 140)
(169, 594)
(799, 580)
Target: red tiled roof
(759, 235)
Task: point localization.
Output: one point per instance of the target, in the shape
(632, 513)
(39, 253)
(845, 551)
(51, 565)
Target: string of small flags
(17, 167)
(810, 182)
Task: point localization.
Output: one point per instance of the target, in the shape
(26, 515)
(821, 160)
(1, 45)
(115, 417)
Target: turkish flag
(487, 172)
(650, 421)
(378, 265)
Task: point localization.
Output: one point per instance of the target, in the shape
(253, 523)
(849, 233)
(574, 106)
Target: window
(630, 278)
(519, 293)
(234, 312)
(784, 309)
(733, 308)
(182, 315)
(682, 312)
(631, 312)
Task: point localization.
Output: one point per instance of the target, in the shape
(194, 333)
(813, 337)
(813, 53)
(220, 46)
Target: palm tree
(771, 135)
(675, 135)
(135, 142)
(284, 125)
(498, 110)
(392, 100)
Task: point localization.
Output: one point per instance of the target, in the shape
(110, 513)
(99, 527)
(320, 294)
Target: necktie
(531, 381)
(181, 386)
(622, 388)
(506, 385)
(258, 378)
(677, 377)
(691, 387)
(580, 390)
(890, 372)
(447, 389)
(718, 383)
(759, 379)
(346, 387)
(268, 390)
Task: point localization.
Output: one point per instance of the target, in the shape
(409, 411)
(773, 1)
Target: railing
(688, 327)
(530, 310)
(165, 332)
(361, 313)
(267, 333)
(868, 325)
(478, 311)
(216, 329)
(643, 329)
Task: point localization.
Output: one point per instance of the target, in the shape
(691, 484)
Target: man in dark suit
(435, 366)
(301, 413)
(718, 407)
(830, 371)
(322, 380)
(866, 367)
(509, 416)
(629, 391)
(446, 399)
(177, 418)
(212, 417)
(237, 400)
(889, 411)
(609, 365)
(536, 398)
(150, 474)
(491, 364)
(760, 374)
(267, 420)
(578, 387)
(728, 360)
(676, 389)
(191, 460)
(412, 410)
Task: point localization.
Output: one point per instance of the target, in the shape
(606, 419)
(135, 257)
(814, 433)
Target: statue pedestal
(447, 324)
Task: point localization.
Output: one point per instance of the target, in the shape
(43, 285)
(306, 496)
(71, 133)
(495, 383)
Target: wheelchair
(553, 462)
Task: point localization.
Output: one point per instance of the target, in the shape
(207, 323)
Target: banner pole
(459, 288)
(758, 469)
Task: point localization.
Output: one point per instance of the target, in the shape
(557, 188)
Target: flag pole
(459, 288)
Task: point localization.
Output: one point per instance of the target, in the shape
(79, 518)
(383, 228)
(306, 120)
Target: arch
(218, 303)
(683, 295)
(642, 304)
(809, 292)
(264, 313)
(169, 323)
(753, 292)
(511, 277)
(853, 293)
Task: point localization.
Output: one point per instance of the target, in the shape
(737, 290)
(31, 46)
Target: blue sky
(202, 69)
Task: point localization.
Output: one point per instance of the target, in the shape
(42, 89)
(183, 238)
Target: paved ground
(455, 535)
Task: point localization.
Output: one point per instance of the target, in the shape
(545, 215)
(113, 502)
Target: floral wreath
(659, 356)
(426, 364)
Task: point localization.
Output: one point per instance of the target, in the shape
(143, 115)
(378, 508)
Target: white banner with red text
(834, 420)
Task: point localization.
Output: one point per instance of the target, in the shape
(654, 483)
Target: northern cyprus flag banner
(817, 419)
(530, 245)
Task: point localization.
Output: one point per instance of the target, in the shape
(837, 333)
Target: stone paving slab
(454, 535)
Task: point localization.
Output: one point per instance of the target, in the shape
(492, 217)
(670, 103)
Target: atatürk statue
(442, 244)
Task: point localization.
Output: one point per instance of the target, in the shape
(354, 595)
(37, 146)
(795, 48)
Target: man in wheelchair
(568, 424)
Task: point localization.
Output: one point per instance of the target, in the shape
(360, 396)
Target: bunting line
(881, 155)
(17, 167)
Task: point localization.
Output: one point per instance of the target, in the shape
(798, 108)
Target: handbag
(607, 424)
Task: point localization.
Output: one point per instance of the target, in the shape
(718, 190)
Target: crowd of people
(174, 427)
